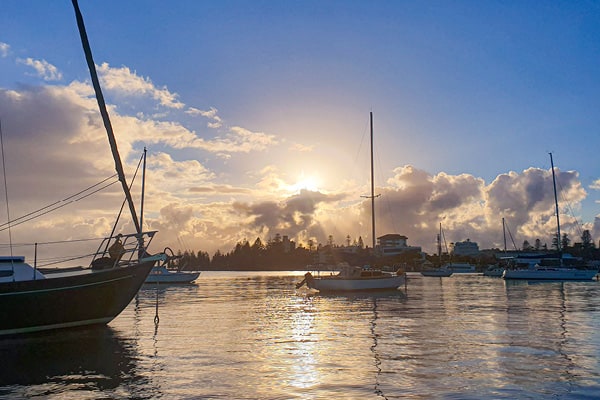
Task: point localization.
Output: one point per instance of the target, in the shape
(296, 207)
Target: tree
(586, 240)
(555, 242)
(360, 243)
(565, 241)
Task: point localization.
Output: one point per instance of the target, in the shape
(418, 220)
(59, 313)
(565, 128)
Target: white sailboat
(439, 272)
(555, 273)
(354, 278)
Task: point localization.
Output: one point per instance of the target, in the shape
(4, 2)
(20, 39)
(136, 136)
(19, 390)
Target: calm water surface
(254, 336)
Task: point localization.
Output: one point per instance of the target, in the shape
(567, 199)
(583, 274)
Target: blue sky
(255, 115)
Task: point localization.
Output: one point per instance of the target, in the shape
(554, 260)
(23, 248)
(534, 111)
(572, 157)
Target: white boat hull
(550, 274)
(340, 284)
(163, 275)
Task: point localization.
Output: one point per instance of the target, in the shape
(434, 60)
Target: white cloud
(127, 83)
(43, 69)
(216, 121)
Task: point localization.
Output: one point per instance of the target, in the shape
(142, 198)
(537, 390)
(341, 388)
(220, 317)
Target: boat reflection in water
(86, 360)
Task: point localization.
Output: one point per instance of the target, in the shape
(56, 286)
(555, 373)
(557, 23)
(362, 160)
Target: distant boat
(439, 272)
(33, 300)
(459, 268)
(555, 273)
(353, 278)
(495, 271)
(161, 274)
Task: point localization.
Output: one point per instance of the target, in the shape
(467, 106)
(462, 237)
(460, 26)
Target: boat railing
(134, 248)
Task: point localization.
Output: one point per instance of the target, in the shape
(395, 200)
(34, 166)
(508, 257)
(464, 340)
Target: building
(393, 244)
(466, 248)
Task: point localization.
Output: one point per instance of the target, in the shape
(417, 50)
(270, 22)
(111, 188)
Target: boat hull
(336, 284)
(439, 273)
(175, 277)
(89, 298)
(550, 274)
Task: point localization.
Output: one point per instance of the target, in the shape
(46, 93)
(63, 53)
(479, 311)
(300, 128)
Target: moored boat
(354, 278)
(560, 272)
(33, 300)
(161, 274)
(437, 272)
(495, 271)
(459, 268)
(543, 273)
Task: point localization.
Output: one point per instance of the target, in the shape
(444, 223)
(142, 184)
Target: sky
(255, 117)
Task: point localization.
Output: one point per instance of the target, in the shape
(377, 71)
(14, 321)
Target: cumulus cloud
(43, 69)
(293, 216)
(215, 120)
(127, 83)
(185, 198)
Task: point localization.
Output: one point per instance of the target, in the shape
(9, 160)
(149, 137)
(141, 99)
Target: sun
(305, 182)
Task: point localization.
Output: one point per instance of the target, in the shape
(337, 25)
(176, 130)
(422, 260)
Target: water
(254, 336)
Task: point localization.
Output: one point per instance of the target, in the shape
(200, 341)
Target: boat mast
(372, 186)
(143, 190)
(504, 233)
(439, 243)
(372, 196)
(103, 111)
(556, 205)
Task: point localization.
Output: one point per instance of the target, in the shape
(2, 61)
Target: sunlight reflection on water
(253, 336)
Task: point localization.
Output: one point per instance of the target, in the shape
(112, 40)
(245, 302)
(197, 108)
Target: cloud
(43, 69)
(216, 121)
(127, 83)
(293, 216)
(191, 198)
(4, 48)
(300, 148)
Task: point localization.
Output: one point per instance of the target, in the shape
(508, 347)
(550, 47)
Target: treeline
(278, 254)
(281, 255)
(275, 255)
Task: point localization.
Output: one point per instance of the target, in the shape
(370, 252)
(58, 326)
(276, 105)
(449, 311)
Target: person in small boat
(116, 250)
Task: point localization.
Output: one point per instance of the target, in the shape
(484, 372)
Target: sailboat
(556, 273)
(33, 300)
(356, 278)
(440, 272)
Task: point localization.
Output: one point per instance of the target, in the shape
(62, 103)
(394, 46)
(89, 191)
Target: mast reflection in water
(254, 336)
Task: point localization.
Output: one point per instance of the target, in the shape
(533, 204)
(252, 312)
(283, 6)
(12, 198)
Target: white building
(466, 248)
(393, 244)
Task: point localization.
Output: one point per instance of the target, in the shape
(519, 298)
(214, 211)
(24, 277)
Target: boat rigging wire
(57, 204)
(6, 198)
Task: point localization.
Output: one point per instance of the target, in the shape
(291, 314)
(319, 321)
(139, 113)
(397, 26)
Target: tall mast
(504, 233)
(439, 243)
(556, 205)
(372, 187)
(102, 106)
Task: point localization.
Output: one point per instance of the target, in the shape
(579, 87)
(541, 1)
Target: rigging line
(511, 237)
(60, 241)
(571, 211)
(59, 201)
(388, 203)
(6, 195)
(22, 221)
(114, 228)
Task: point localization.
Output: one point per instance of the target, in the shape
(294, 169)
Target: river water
(237, 335)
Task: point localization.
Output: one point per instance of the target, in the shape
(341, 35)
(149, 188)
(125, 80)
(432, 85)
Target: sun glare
(305, 182)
